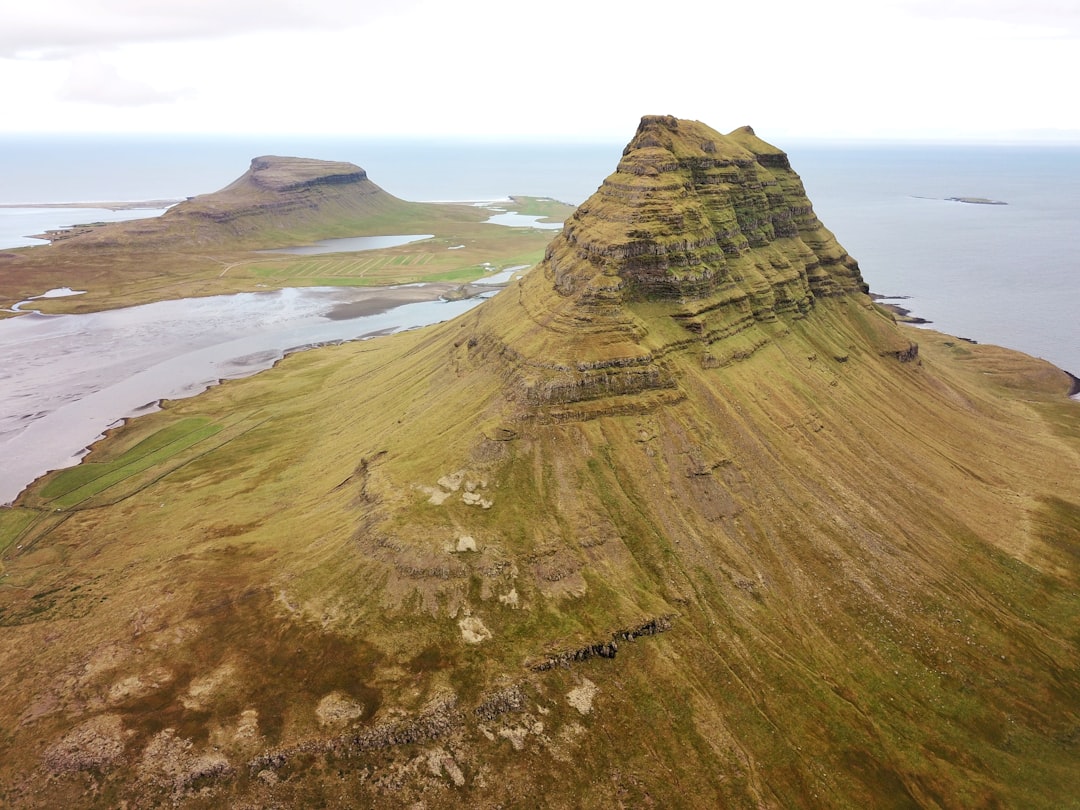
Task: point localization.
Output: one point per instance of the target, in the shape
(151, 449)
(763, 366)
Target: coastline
(903, 315)
(42, 445)
(113, 205)
(383, 299)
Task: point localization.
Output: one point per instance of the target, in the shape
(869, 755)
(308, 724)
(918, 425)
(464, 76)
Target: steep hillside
(681, 519)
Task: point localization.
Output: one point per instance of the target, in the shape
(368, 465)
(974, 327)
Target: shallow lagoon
(68, 378)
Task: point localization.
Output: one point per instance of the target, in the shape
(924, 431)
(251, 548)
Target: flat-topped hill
(278, 201)
(292, 173)
(207, 244)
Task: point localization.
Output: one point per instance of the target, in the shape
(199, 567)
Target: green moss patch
(73, 486)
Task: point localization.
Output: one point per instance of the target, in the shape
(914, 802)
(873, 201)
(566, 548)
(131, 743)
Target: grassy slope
(915, 645)
(864, 570)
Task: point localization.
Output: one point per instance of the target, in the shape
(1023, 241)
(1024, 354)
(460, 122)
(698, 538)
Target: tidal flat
(66, 379)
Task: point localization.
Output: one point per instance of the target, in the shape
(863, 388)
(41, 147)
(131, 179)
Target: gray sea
(1005, 274)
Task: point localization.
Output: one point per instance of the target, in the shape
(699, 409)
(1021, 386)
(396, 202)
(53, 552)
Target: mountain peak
(695, 239)
(662, 524)
(690, 211)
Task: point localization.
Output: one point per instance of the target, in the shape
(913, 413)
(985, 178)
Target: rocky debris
(436, 496)
(137, 686)
(97, 744)
(660, 624)
(454, 482)
(515, 735)
(581, 697)
(501, 701)
(475, 499)
(907, 355)
(439, 762)
(338, 709)
(603, 649)
(473, 630)
(465, 542)
(437, 721)
(171, 761)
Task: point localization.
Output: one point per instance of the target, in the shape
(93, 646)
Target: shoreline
(903, 315)
(111, 205)
(344, 305)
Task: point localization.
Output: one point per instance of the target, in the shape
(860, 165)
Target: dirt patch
(581, 697)
(97, 744)
(244, 658)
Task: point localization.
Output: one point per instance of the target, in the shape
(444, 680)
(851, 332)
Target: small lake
(65, 379)
(351, 244)
(513, 219)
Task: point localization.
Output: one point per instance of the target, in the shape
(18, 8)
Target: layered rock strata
(709, 232)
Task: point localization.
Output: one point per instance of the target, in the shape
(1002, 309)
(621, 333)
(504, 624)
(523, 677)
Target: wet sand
(382, 299)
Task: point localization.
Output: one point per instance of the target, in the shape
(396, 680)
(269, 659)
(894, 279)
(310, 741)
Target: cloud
(1061, 16)
(96, 82)
(54, 29)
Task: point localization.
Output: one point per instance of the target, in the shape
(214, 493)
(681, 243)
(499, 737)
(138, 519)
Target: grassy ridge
(851, 672)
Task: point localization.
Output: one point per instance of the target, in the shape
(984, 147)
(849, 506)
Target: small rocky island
(976, 200)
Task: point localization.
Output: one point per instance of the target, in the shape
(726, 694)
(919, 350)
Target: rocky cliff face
(707, 232)
(690, 214)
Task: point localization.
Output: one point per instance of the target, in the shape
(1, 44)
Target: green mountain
(680, 519)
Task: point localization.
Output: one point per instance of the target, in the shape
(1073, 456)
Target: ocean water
(1005, 274)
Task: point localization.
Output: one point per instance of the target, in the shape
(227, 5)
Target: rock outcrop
(710, 233)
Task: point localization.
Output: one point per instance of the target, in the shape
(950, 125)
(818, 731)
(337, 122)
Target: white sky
(574, 69)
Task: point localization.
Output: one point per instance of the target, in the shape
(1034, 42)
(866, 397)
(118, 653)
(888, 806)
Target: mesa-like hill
(680, 519)
(278, 201)
(216, 243)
